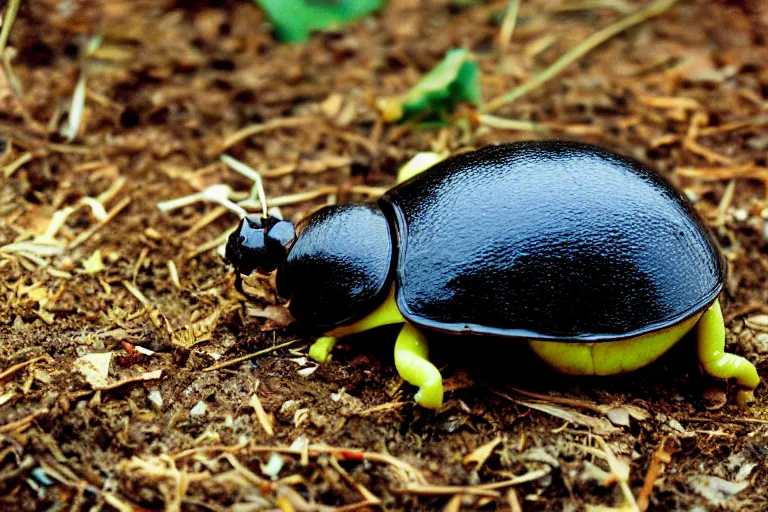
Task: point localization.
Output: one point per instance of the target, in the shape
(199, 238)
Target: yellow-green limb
(710, 337)
(413, 365)
(320, 350)
(410, 350)
(385, 314)
(610, 358)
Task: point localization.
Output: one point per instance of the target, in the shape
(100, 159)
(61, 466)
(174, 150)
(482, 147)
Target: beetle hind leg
(414, 367)
(710, 342)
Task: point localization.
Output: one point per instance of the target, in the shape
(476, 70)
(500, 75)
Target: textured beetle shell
(549, 240)
(339, 267)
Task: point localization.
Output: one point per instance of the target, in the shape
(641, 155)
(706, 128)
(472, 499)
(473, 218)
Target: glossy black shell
(548, 240)
(339, 267)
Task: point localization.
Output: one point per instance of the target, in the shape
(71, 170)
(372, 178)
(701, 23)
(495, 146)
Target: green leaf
(454, 80)
(294, 20)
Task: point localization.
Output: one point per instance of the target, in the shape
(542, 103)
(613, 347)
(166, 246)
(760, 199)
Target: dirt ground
(93, 275)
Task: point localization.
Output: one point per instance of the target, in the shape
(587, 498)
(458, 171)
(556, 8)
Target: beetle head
(259, 244)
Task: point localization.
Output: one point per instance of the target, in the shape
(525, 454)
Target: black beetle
(599, 263)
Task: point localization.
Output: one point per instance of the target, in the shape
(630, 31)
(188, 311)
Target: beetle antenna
(259, 186)
(253, 175)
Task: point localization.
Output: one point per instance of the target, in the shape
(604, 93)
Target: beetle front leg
(320, 350)
(710, 339)
(413, 366)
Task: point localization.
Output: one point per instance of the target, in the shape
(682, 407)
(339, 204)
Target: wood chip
(598, 425)
(153, 375)
(95, 368)
(661, 457)
(264, 419)
(480, 455)
(670, 102)
(757, 323)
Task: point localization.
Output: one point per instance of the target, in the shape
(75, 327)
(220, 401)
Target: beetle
(595, 261)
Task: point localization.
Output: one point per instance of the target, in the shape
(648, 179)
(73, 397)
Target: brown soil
(686, 92)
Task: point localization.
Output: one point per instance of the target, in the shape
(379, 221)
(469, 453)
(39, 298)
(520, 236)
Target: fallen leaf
(294, 20)
(156, 399)
(37, 294)
(539, 454)
(143, 351)
(598, 425)
(280, 315)
(480, 455)
(715, 398)
(636, 412)
(95, 368)
(618, 416)
(6, 397)
(716, 490)
(678, 427)
(94, 264)
(455, 79)
(619, 412)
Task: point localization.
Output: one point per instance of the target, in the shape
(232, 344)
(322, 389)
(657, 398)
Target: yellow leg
(385, 314)
(320, 350)
(414, 367)
(717, 363)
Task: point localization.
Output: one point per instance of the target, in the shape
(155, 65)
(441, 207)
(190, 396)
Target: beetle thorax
(338, 269)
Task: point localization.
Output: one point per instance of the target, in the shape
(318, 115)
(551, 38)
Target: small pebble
(273, 466)
(156, 399)
(199, 409)
(740, 214)
(306, 372)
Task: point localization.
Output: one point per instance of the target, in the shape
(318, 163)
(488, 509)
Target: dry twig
(661, 457)
(85, 235)
(656, 8)
(23, 422)
(246, 357)
(15, 368)
(10, 15)
(508, 25)
(57, 471)
(249, 131)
